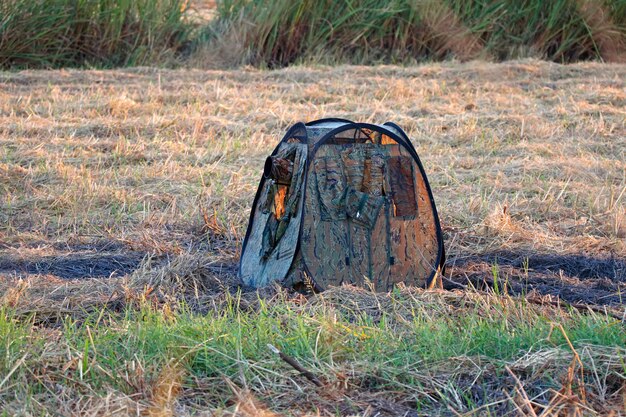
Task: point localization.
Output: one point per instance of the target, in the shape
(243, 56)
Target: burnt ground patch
(570, 277)
(74, 265)
(579, 266)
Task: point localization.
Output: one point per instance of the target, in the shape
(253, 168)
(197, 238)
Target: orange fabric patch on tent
(279, 201)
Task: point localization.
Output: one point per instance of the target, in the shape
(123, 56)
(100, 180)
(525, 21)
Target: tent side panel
(272, 240)
(367, 223)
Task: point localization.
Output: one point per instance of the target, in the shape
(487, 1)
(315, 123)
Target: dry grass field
(131, 189)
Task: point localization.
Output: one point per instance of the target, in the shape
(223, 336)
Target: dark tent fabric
(343, 203)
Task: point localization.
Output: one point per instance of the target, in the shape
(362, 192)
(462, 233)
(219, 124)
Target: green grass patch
(128, 353)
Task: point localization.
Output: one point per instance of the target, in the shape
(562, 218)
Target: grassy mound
(280, 32)
(59, 33)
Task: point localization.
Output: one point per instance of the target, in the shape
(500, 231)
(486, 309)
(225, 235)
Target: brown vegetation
(101, 168)
(133, 187)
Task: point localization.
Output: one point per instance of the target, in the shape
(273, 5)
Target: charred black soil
(99, 259)
(573, 278)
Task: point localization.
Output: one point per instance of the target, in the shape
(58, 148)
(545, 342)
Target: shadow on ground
(73, 264)
(573, 278)
(599, 280)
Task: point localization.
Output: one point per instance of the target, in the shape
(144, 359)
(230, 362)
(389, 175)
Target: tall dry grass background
(370, 31)
(101, 33)
(230, 33)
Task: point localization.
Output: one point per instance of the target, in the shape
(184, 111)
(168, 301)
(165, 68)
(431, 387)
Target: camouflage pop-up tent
(343, 202)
